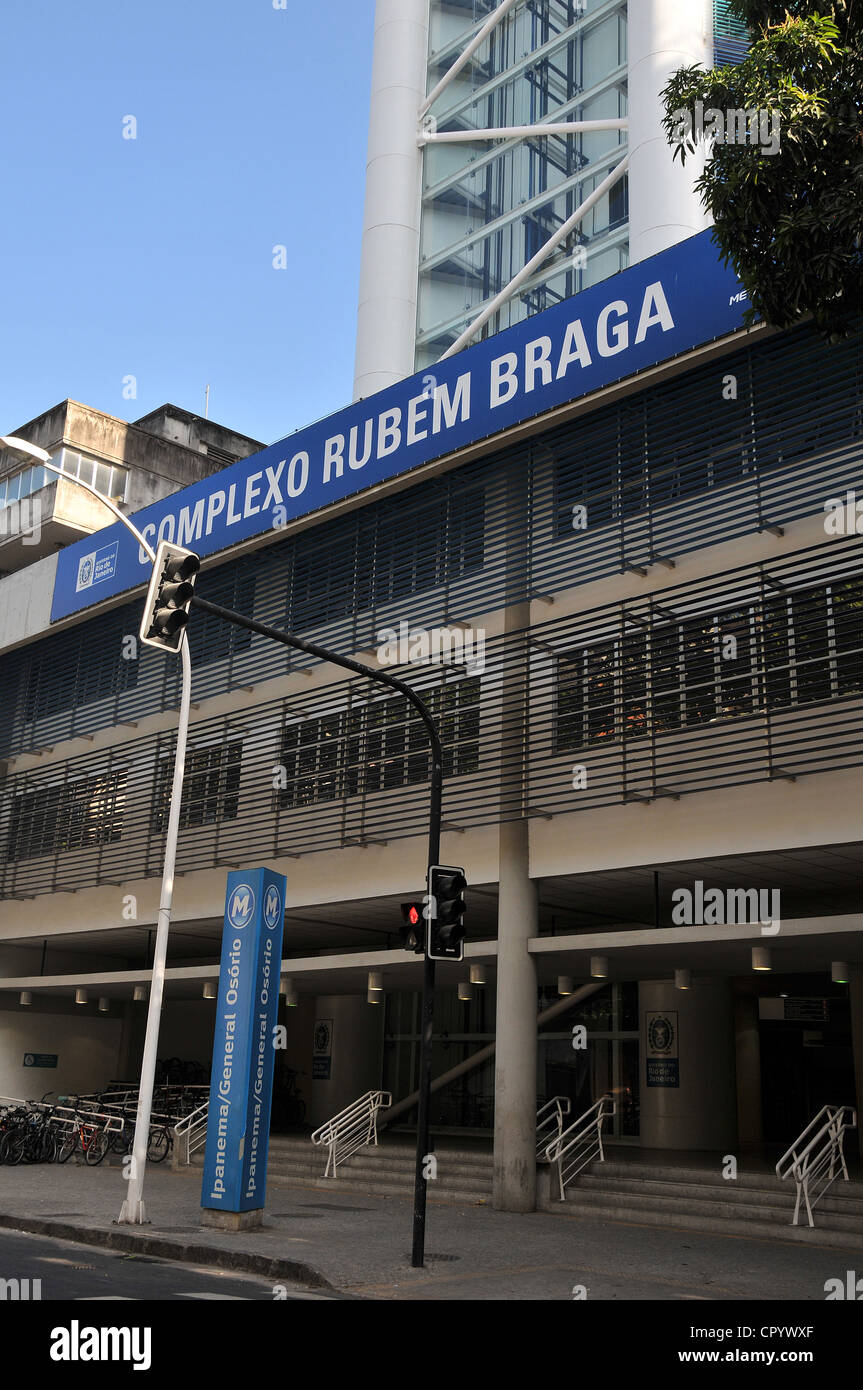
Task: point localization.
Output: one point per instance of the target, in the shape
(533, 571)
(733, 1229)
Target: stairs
(464, 1173)
(699, 1199)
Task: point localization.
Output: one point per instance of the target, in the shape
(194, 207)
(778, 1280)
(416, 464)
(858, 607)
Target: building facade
(637, 615)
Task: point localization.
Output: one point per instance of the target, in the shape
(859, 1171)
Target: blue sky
(153, 257)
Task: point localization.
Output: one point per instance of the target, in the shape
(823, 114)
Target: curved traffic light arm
(381, 677)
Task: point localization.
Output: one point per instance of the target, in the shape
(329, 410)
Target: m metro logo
(272, 907)
(241, 906)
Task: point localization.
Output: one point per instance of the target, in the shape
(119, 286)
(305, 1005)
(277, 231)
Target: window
(211, 786)
(107, 478)
(79, 667)
(800, 648)
(655, 449)
(211, 638)
(82, 813)
(386, 554)
(374, 746)
(21, 484)
(848, 623)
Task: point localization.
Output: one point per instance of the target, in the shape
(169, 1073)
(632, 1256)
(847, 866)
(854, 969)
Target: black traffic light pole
(435, 801)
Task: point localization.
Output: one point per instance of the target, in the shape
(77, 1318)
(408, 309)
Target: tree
(789, 221)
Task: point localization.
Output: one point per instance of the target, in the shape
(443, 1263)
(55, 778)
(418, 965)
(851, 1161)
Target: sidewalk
(360, 1245)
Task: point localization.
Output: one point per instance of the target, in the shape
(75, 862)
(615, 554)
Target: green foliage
(791, 222)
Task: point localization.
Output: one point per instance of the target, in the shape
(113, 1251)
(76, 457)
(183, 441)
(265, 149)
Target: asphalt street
(70, 1272)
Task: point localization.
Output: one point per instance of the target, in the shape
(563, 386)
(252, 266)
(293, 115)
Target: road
(71, 1272)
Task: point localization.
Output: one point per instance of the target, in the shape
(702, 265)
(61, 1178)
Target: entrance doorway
(608, 1065)
(806, 1061)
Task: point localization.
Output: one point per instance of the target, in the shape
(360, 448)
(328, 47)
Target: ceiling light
(761, 958)
(25, 997)
(840, 972)
(80, 996)
(564, 984)
(209, 990)
(478, 975)
(682, 979)
(599, 967)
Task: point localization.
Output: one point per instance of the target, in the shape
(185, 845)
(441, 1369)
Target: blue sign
(647, 314)
(241, 1089)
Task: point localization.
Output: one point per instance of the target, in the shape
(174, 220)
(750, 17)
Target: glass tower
(487, 208)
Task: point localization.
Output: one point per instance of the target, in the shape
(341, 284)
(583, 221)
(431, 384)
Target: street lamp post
(133, 1211)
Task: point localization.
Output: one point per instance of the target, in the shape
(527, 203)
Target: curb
(240, 1261)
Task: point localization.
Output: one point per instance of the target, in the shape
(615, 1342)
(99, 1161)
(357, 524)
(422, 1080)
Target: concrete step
(465, 1174)
(387, 1179)
(614, 1168)
(684, 1219)
(741, 1212)
(360, 1168)
(480, 1162)
(436, 1192)
(775, 1194)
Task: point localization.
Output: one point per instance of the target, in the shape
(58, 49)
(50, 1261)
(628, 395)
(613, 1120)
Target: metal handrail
(581, 1143)
(549, 1123)
(68, 1116)
(821, 1160)
(190, 1133)
(23, 1104)
(353, 1128)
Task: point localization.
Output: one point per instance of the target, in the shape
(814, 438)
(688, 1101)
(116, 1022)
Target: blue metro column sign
(241, 1089)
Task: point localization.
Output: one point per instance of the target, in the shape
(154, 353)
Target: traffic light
(413, 931)
(446, 909)
(169, 596)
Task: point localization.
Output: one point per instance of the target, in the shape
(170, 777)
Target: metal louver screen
(662, 473)
(731, 39)
(727, 680)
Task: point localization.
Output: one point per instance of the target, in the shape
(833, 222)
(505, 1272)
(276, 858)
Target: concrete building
(641, 629)
(131, 463)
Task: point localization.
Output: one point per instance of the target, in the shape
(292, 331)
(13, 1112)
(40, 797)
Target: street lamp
(132, 1211)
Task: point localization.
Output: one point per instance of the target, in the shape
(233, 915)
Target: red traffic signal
(413, 931)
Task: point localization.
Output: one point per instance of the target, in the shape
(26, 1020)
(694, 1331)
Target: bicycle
(159, 1143)
(90, 1138)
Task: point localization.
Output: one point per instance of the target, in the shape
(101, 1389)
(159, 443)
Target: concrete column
(700, 1112)
(389, 269)
(664, 208)
(747, 1041)
(515, 1029)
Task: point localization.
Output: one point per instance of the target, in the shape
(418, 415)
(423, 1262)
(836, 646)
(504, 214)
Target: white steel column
(664, 208)
(389, 271)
